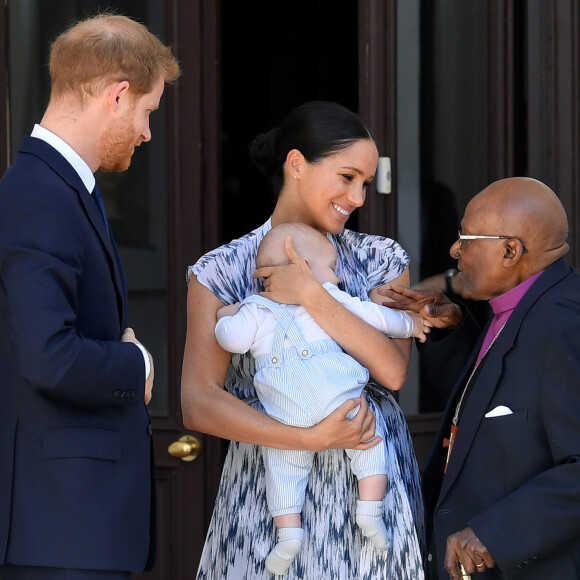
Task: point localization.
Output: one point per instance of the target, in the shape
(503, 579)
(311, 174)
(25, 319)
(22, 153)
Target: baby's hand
(421, 327)
(228, 310)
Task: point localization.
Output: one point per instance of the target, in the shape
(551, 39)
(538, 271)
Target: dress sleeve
(386, 260)
(367, 261)
(227, 271)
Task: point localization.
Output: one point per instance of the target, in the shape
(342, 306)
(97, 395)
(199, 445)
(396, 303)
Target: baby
(302, 375)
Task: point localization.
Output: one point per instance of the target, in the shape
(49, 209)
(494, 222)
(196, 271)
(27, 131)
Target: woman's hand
(290, 284)
(208, 408)
(338, 432)
(432, 305)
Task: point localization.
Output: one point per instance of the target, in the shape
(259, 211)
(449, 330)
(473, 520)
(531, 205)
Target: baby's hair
(305, 238)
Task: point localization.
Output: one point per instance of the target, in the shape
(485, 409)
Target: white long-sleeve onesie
(252, 328)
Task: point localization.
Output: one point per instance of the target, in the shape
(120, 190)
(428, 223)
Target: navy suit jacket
(75, 437)
(515, 479)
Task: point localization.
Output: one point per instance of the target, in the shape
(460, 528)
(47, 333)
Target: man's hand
(288, 284)
(129, 336)
(466, 547)
(432, 305)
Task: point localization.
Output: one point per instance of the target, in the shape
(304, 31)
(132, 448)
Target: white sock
(289, 543)
(369, 517)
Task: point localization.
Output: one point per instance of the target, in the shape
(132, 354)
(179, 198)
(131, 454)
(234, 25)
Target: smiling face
(117, 142)
(325, 193)
(482, 274)
(520, 207)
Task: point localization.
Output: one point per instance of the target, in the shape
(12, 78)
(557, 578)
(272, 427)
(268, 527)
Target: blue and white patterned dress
(241, 532)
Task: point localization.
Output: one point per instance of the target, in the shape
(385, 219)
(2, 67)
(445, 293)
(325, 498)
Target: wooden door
(245, 67)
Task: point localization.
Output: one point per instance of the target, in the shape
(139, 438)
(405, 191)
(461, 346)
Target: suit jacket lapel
(114, 259)
(62, 167)
(477, 404)
(121, 284)
(490, 373)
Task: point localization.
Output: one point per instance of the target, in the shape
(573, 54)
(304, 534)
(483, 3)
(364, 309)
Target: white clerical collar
(77, 162)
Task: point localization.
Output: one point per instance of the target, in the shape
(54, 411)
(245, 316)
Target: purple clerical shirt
(502, 306)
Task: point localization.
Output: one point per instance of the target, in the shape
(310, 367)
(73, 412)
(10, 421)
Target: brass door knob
(187, 448)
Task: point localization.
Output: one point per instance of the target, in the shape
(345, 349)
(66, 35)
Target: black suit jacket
(515, 479)
(75, 437)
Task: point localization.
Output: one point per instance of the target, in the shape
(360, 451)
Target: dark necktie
(96, 195)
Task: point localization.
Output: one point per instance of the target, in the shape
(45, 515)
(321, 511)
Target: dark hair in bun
(317, 129)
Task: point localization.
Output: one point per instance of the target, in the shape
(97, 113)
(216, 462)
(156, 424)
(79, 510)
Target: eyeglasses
(461, 237)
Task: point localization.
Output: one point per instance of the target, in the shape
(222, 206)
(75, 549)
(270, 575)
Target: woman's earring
(296, 177)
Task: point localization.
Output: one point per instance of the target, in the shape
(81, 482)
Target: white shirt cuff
(147, 361)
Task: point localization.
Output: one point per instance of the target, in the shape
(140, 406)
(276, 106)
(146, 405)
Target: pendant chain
(455, 419)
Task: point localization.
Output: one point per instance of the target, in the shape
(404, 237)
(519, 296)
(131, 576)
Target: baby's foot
(284, 552)
(369, 517)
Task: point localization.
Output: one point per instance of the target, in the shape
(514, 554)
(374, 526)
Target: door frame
(194, 222)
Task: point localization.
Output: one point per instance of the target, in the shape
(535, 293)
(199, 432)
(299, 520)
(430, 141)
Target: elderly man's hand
(466, 547)
(432, 305)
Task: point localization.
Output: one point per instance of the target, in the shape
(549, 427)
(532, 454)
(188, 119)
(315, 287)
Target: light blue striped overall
(300, 386)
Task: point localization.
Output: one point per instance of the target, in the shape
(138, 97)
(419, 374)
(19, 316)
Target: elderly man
(76, 475)
(502, 484)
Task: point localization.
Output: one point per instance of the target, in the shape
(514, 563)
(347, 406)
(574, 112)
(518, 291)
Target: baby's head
(309, 243)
